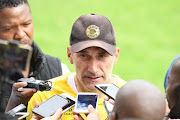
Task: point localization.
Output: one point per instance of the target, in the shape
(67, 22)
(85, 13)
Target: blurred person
(16, 24)
(93, 52)
(139, 99)
(168, 71)
(173, 90)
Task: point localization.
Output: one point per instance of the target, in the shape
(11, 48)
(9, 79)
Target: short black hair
(11, 3)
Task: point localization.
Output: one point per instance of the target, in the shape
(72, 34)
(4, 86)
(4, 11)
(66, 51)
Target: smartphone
(14, 55)
(71, 101)
(15, 110)
(108, 107)
(50, 106)
(83, 100)
(21, 115)
(108, 89)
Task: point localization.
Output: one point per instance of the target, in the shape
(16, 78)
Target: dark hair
(11, 3)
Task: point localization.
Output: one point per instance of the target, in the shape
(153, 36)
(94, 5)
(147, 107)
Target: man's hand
(93, 114)
(56, 116)
(18, 97)
(108, 99)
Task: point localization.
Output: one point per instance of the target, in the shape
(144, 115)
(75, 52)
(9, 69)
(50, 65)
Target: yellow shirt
(61, 86)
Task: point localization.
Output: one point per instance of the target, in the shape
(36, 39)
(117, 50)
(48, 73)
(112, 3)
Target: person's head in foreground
(173, 90)
(16, 21)
(92, 51)
(141, 100)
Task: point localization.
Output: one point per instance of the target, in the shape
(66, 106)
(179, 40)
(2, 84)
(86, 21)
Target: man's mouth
(94, 78)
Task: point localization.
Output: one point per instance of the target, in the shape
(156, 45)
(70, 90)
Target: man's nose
(19, 34)
(93, 66)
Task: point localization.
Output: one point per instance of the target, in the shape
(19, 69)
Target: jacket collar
(38, 60)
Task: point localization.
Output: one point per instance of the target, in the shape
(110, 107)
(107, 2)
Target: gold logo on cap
(92, 31)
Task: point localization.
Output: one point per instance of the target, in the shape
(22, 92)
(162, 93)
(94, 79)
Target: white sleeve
(65, 69)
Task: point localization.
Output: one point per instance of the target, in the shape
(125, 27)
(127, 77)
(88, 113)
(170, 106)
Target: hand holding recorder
(18, 97)
(24, 90)
(36, 84)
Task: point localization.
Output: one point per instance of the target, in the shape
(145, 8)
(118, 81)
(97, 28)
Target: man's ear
(69, 54)
(116, 55)
(113, 116)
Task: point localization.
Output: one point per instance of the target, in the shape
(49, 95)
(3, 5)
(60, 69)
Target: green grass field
(147, 32)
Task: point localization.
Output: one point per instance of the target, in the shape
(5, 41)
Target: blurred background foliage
(147, 32)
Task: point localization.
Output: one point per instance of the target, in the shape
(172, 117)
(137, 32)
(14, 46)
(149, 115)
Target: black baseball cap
(93, 31)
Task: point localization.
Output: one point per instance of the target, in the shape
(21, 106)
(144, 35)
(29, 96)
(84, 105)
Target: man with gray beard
(93, 52)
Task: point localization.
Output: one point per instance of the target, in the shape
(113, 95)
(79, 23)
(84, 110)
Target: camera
(14, 55)
(37, 84)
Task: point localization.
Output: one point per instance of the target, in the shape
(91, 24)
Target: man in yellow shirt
(93, 52)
